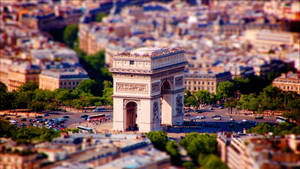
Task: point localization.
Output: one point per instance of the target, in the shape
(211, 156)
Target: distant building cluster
(86, 151)
(28, 55)
(241, 151)
(218, 37)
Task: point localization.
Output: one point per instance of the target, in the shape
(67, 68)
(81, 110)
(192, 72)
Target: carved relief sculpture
(179, 105)
(156, 115)
(178, 81)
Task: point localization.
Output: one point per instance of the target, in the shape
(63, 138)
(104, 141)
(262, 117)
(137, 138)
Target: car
(221, 107)
(244, 120)
(39, 117)
(46, 115)
(99, 109)
(200, 117)
(198, 111)
(231, 119)
(23, 125)
(7, 118)
(187, 115)
(65, 117)
(23, 119)
(13, 121)
(259, 117)
(216, 116)
(211, 108)
(84, 116)
(192, 119)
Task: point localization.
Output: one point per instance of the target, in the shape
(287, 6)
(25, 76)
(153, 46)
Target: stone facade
(288, 82)
(205, 81)
(148, 89)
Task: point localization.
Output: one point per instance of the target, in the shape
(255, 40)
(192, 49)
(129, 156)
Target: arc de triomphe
(148, 89)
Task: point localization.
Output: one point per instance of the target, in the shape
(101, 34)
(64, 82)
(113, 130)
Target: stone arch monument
(148, 89)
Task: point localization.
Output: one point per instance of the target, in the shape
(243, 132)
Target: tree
(172, 150)
(63, 95)
(70, 34)
(225, 90)
(29, 86)
(261, 128)
(89, 86)
(197, 144)
(211, 162)
(159, 139)
(230, 103)
(202, 97)
(107, 93)
(37, 106)
(271, 98)
(100, 16)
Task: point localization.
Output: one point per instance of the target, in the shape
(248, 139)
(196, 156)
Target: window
(203, 83)
(208, 83)
(194, 82)
(195, 88)
(212, 83)
(131, 62)
(189, 82)
(184, 82)
(198, 82)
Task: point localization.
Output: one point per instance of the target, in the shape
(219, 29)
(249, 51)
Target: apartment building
(246, 151)
(205, 81)
(288, 82)
(52, 79)
(21, 73)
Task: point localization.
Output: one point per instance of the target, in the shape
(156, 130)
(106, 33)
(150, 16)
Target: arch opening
(166, 104)
(131, 116)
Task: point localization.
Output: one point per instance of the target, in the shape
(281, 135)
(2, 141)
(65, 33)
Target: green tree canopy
(197, 144)
(70, 34)
(107, 93)
(172, 150)
(202, 97)
(89, 86)
(211, 162)
(159, 139)
(225, 89)
(100, 16)
(29, 86)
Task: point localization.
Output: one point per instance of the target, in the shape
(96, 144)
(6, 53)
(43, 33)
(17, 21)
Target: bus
(100, 117)
(85, 129)
(281, 119)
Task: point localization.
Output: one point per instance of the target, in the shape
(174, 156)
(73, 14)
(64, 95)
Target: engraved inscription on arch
(131, 88)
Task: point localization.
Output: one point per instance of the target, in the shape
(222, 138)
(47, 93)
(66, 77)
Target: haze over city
(112, 84)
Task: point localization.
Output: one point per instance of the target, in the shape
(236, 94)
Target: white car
(244, 120)
(200, 117)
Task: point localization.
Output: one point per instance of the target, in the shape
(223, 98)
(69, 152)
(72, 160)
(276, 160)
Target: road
(225, 116)
(208, 124)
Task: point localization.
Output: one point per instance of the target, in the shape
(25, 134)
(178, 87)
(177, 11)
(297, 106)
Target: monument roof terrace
(148, 60)
(151, 52)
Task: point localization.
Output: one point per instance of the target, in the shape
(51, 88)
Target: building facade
(205, 81)
(148, 89)
(62, 78)
(21, 73)
(288, 82)
(246, 151)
